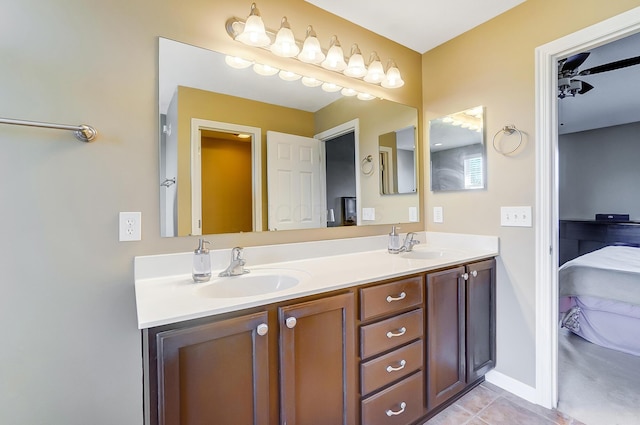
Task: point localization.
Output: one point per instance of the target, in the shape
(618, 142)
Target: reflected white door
(295, 182)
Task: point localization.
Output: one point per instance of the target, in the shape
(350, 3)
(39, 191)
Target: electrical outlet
(130, 226)
(515, 216)
(368, 214)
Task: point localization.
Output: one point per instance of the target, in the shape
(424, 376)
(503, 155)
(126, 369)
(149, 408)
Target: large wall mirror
(242, 152)
(457, 150)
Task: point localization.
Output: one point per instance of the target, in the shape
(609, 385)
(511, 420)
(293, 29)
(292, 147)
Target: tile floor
(490, 405)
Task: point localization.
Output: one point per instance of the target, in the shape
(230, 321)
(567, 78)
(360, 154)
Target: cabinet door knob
(262, 329)
(400, 332)
(401, 296)
(390, 412)
(291, 322)
(390, 368)
(474, 273)
(465, 276)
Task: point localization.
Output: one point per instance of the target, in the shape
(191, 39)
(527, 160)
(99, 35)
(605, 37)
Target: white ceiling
(419, 25)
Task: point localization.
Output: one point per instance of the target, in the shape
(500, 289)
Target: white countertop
(166, 293)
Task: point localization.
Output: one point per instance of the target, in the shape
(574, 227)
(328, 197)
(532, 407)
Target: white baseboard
(513, 386)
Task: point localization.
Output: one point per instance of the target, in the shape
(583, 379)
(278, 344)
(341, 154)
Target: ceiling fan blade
(611, 66)
(585, 87)
(572, 62)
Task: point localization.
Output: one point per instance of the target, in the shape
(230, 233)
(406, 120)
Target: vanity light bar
(282, 43)
(267, 70)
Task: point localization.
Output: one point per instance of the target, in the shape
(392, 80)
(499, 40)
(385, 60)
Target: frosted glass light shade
(285, 44)
(254, 33)
(392, 79)
(365, 96)
(355, 68)
(237, 62)
(375, 73)
(289, 76)
(348, 92)
(265, 70)
(311, 50)
(330, 87)
(311, 82)
(335, 57)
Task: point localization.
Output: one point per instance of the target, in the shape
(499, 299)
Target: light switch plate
(438, 215)
(368, 214)
(515, 216)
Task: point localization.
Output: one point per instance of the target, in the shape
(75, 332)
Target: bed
(600, 297)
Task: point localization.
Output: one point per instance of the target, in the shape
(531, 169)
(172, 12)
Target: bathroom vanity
(363, 337)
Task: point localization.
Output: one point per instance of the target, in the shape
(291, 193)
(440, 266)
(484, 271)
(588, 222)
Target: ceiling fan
(568, 69)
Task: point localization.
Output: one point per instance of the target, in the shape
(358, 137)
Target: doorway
(547, 196)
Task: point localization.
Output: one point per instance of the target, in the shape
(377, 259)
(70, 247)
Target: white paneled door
(295, 182)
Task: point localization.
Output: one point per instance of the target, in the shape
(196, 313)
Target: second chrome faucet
(236, 266)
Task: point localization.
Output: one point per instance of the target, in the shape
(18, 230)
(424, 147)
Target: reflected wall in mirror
(397, 152)
(224, 184)
(457, 148)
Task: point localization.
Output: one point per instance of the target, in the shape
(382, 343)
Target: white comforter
(612, 273)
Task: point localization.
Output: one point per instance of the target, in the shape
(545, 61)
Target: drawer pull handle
(474, 273)
(400, 332)
(390, 368)
(402, 296)
(390, 412)
(262, 329)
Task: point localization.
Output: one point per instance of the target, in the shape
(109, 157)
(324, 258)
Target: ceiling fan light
(331, 87)
(375, 72)
(392, 79)
(254, 33)
(311, 50)
(289, 76)
(355, 68)
(285, 44)
(265, 70)
(237, 62)
(311, 82)
(335, 57)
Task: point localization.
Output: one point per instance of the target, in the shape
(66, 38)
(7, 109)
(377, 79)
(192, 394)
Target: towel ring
(509, 130)
(366, 165)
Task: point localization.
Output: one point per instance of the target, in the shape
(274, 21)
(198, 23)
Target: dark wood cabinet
(220, 371)
(445, 335)
(214, 373)
(414, 345)
(317, 362)
(480, 319)
(461, 328)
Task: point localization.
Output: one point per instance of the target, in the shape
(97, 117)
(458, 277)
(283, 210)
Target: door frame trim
(546, 127)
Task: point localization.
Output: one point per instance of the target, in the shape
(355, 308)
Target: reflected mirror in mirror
(457, 150)
(223, 130)
(397, 151)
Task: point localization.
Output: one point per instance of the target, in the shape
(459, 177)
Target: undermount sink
(426, 254)
(257, 282)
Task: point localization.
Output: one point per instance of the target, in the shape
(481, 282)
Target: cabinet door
(445, 335)
(318, 362)
(481, 319)
(216, 373)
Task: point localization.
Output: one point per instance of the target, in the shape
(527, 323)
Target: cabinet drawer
(399, 404)
(390, 297)
(385, 369)
(389, 333)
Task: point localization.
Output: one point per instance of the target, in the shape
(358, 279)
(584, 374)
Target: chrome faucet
(236, 267)
(409, 242)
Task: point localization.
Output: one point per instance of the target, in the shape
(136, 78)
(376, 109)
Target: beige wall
(71, 352)
(493, 65)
